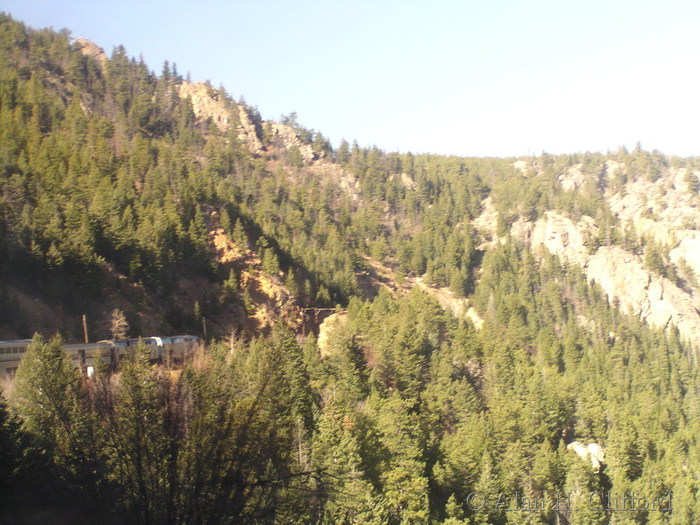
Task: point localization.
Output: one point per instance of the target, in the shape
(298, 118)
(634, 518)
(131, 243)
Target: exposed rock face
(561, 236)
(325, 332)
(652, 298)
(270, 298)
(247, 132)
(486, 222)
(408, 182)
(622, 275)
(521, 230)
(476, 320)
(688, 250)
(592, 452)
(522, 166)
(90, 49)
(459, 306)
(206, 104)
(572, 179)
(657, 208)
(288, 137)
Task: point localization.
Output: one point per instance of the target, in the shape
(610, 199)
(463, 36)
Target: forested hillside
(515, 340)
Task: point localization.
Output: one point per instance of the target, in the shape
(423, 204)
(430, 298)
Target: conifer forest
(385, 338)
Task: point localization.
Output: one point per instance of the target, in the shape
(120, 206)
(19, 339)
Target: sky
(471, 78)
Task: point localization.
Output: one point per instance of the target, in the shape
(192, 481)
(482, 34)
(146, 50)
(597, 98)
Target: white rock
(652, 298)
(289, 139)
(246, 131)
(562, 237)
(592, 452)
(206, 105)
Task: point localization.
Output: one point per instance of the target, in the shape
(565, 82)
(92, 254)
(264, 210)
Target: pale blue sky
(479, 78)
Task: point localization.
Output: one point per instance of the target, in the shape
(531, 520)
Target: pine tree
(346, 494)
(230, 286)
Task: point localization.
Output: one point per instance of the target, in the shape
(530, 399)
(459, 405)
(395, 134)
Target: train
(111, 352)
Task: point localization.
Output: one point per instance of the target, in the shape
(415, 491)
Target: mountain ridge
(298, 156)
(485, 326)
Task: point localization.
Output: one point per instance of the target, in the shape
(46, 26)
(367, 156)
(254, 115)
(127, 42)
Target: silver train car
(83, 355)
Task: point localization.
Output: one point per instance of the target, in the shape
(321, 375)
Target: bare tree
(119, 325)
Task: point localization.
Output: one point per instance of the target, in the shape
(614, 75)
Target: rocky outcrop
(687, 251)
(326, 330)
(592, 452)
(573, 179)
(658, 208)
(247, 133)
(288, 138)
(652, 298)
(561, 236)
(622, 275)
(522, 166)
(408, 182)
(90, 49)
(269, 298)
(207, 104)
(475, 318)
(485, 223)
(663, 207)
(449, 301)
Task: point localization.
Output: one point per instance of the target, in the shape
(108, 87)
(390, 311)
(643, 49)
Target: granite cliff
(663, 211)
